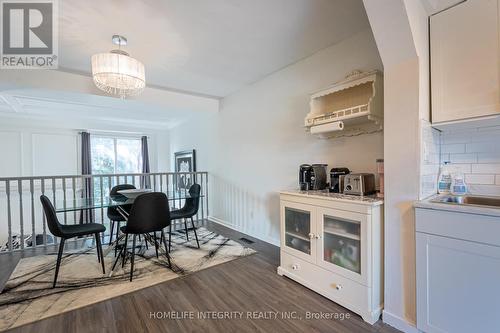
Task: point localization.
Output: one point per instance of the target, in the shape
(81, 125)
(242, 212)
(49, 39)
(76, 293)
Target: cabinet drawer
(472, 227)
(345, 292)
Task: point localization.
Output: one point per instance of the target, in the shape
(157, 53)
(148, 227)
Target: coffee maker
(336, 179)
(318, 177)
(305, 173)
(312, 177)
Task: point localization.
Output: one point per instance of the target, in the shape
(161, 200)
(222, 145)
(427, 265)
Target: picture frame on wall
(185, 161)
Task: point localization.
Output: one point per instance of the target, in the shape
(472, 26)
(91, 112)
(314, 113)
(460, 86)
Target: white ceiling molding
(74, 110)
(4, 105)
(54, 95)
(10, 104)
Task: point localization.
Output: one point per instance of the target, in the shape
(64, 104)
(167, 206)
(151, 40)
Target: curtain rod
(113, 132)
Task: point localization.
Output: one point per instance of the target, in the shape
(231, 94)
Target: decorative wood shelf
(351, 107)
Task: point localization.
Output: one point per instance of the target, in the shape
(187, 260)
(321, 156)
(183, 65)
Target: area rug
(28, 295)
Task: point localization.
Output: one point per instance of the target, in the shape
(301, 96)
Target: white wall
(400, 29)
(30, 150)
(254, 146)
(402, 147)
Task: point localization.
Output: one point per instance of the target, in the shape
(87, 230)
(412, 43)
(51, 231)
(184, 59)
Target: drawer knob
(337, 286)
(295, 267)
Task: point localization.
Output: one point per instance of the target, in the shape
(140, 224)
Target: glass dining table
(98, 202)
(117, 201)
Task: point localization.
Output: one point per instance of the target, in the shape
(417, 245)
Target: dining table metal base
(124, 252)
(117, 245)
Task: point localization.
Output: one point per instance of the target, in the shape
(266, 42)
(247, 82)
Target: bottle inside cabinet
(342, 246)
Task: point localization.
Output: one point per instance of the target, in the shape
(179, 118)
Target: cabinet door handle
(317, 236)
(295, 267)
(337, 286)
(311, 235)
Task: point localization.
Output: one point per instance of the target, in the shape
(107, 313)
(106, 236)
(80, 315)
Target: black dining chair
(150, 213)
(70, 231)
(113, 215)
(190, 209)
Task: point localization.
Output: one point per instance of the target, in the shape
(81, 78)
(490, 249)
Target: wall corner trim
(398, 322)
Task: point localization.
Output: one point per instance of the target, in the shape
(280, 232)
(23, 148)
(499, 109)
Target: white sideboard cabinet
(332, 244)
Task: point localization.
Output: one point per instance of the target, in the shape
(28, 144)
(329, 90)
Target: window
(114, 155)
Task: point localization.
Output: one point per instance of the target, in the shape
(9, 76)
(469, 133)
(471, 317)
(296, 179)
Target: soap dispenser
(458, 185)
(444, 179)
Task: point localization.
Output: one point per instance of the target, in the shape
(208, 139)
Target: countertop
(469, 209)
(369, 200)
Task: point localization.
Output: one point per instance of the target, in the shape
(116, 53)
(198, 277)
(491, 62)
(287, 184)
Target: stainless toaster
(359, 183)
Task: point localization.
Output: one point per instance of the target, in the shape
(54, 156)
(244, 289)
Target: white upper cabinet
(465, 62)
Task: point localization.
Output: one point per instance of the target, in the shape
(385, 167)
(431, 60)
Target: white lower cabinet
(458, 273)
(457, 283)
(334, 247)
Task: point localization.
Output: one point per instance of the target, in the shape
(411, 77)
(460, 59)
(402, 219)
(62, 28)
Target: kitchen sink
(469, 200)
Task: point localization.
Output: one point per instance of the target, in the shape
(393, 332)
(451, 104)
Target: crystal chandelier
(117, 73)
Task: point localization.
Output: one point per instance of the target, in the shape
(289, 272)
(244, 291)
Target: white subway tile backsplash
(462, 168)
(485, 136)
(429, 169)
(480, 179)
(456, 138)
(488, 129)
(488, 157)
(430, 146)
(463, 158)
(453, 148)
(460, 131)
(486, 168)
(476, 153)
(485, 189)
(481, 147)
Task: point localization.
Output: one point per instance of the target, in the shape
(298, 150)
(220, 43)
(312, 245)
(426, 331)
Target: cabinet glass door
(343, 243)
(297, 227)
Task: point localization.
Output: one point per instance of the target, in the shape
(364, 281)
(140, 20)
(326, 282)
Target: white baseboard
(398, 322)
(269, 240)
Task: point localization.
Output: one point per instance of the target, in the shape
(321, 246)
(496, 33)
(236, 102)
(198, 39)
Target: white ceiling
(212, 47)
(434, 6)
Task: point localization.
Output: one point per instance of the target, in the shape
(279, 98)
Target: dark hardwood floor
(248, 284)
